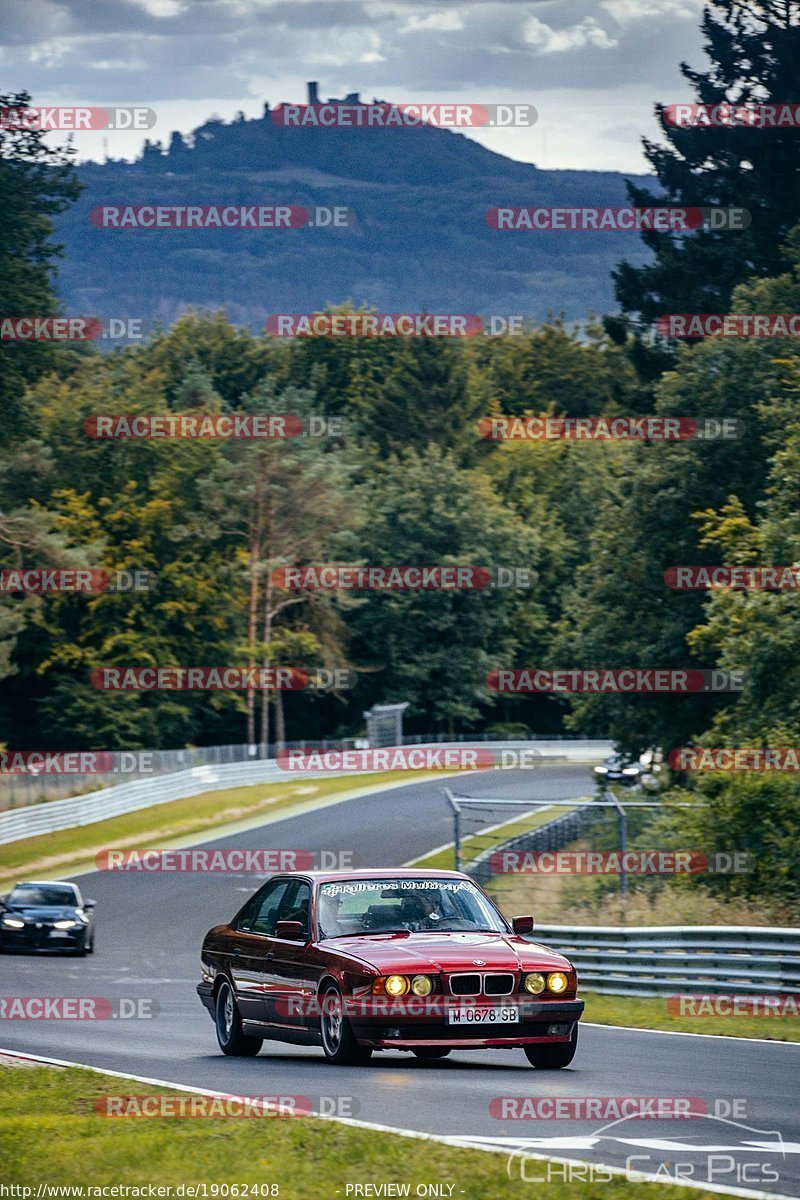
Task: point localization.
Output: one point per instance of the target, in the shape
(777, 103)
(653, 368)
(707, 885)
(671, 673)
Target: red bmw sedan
(369, 960)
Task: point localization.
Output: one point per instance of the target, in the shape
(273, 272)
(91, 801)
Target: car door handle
(237, 950)
(270, 954)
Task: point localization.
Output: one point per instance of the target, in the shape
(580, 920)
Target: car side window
(296, 903)
(261, 913)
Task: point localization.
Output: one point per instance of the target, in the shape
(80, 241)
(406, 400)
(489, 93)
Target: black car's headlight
(13, 923)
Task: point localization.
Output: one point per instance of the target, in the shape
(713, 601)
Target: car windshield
(404, 906)
(32, 894)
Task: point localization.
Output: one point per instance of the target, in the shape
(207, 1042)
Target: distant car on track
(369, 960)
(619, 769)
(46, 914)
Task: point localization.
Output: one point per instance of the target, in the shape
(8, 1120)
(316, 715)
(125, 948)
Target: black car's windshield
(34, 894)
(404, 906)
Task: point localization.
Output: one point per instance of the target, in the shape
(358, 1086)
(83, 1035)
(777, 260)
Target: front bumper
(205, 992)
(43, 937)
(406, 1030)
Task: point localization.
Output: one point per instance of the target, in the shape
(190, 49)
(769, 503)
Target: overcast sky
(592, 68)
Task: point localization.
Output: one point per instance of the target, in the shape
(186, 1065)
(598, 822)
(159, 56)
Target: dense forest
(403, 476)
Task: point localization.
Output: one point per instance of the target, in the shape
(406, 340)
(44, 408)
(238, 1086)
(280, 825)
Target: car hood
(447, 952)
(41, 912)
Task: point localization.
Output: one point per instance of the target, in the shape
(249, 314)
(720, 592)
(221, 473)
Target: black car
(46, 915)
(618, 769)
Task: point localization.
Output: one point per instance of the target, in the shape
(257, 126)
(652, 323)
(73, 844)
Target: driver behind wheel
(421, 908)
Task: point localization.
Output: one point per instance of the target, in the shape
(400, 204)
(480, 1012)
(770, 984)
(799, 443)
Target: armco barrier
(37, 819)
(677, 959)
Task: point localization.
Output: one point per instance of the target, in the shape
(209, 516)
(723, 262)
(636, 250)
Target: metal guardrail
(677, 959)
(658, 960)
(91, 807)
(39, 787)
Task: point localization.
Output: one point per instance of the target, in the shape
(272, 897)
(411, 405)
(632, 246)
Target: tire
(228, 1024)
(90, 947)
(553, 1057)
(338, 1044)
(427, 1053)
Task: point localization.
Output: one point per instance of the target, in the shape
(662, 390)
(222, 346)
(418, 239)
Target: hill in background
(420, 239)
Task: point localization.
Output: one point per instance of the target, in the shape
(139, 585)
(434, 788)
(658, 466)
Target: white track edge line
(445, 1139)
(725, 1037)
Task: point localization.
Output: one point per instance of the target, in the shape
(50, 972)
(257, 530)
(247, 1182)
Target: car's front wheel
(229, 1026)
(338, 1043)
(555, 1056)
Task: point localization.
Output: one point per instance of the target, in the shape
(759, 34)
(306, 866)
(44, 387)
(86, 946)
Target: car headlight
(630, 770)
(396, 985)
(534, 983)
(421, 985)
(557, 981)
(13, 923)
(66, 924)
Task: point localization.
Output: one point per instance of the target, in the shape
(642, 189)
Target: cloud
(601, 64)
(555, 41)
(625, 11)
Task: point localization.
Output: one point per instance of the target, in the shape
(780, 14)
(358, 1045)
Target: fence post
(456, 826)
(622, 817)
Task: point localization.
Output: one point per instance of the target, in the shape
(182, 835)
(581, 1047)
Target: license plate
(59, 933)
(484, 1014)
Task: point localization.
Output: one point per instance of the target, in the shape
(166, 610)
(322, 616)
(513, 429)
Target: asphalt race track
(149, 933)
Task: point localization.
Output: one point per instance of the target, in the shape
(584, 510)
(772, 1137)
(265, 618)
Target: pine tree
(754, 48)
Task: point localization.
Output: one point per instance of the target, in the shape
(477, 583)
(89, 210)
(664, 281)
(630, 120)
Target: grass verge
(477, 843)
(53, 854)
(304, 1157)
(651, 1012)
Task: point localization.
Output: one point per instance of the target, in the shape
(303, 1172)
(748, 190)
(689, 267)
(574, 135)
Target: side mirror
(522, 925)
(89, 903)
(291, 931)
